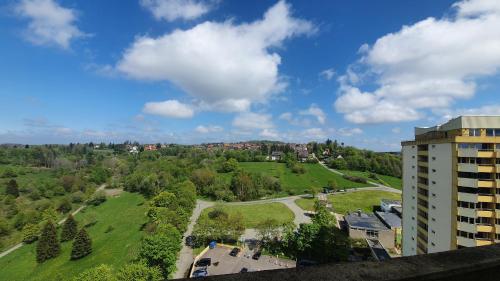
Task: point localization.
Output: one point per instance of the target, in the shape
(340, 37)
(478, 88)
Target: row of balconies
(475, 198)
(472, 152)
(478, 168)
(475, 183)
(467, 242)
(479, 227)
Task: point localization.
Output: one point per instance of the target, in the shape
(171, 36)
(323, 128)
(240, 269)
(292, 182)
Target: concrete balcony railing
(467, 197)
(423, 153)
(481, 263)
(484, 228)
(486, 213)
(468, 227)
(475, 168)
(483, 242)
(486, 198)
(466, 212)
(472, 152)
(475, 183)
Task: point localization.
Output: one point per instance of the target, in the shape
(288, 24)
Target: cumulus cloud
(349, 132)
(171, 10)
(49, 23)
(169, 108)
(448, 114)
(327, 73)
(208, 129)
(425, 66)
(252, 121)
(224, 66)
(269, 133)
(315, 111)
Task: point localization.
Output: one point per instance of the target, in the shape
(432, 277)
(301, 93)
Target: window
(372, 233)
(490, 132)
(474, 132)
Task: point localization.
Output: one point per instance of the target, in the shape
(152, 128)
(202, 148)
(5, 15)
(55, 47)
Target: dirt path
(15, 247)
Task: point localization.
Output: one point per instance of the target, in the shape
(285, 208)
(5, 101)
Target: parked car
(204, 262)
(190, 241)
(257, 255)
(244, 270)
(234, 252)
(200, 273)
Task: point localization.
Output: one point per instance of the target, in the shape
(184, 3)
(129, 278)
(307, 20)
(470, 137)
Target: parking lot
(223, 263)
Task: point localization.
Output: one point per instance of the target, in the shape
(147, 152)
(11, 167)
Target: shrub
(298, 168)
(77, 197)
(64, 206)
(355, 179)
(30, 233)
(69, 229)
(98, 198)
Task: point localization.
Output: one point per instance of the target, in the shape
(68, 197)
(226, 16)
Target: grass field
(351, 201)
(316, 176)
(254, 214)
(383, 179)
(117, 247)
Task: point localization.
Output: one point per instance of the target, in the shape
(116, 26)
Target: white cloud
(252, 121)
(208, 129)
(169, 108)
(314, 134)
(396, 130)
(448, 114)
(327, 73)
(49, 23)
(315, 111)
(171, 10)
(225, 66)
(289, 117)
(427, 65)
(349, 132)
(269, 133)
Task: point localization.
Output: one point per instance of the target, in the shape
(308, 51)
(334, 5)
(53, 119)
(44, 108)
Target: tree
(98, 198)
(12, 188)
(82, 246)
(69, 229)
(48, 246)
(332, 184)
(243, 187)
(160, 250)
(139, 272)
(64, 206)
(30, 233)
(202, 178)
(100, 273)
(230, 165)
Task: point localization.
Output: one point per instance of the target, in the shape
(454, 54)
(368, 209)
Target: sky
(194, 71)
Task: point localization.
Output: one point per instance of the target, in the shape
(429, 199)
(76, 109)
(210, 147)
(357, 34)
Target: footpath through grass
(115, 241)
(351, 201)
(316, 176)
(257, 213)
(382, 179)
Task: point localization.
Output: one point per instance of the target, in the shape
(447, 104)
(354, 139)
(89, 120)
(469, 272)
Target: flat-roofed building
(451, 180)
(368, 226)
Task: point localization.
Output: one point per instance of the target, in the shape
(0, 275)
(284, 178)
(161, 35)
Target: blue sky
(361, 72)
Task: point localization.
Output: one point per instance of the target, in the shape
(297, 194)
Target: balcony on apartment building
(477, 150)
(478, 263)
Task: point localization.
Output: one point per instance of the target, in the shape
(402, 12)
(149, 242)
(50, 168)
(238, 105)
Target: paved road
(3, 254)
(186, 254)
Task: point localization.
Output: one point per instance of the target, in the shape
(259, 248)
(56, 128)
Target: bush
(77, 197)
(98, 198)
(298, 169)
(64, 206)
(30, 233)
(355, 179)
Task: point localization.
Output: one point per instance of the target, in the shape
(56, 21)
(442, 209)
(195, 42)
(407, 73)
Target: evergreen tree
(82, 245)
(48, 246)
(69, 229)
(12, 188)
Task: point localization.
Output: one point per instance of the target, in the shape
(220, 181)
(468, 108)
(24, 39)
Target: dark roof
(390, 219)
(397, 210)
(378, 250)
(364, 221)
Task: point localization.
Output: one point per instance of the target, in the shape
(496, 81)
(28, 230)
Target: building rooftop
(467, 121)
(364, 221)
(391, 202)
(390, 219)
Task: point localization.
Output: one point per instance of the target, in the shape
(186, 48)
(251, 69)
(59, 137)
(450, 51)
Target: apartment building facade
(451, 186)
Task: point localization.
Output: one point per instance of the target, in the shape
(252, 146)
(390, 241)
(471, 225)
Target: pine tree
(69, 229)
(82, 245)
(48, 246)
(12, 188)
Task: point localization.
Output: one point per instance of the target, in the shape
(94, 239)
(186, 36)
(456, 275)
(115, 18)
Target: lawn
(117, 247)
(351, 201)
(257, 213)
(382, 179)
(316, 176)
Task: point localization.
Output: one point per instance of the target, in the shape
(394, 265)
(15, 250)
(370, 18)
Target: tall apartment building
(451, 186)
